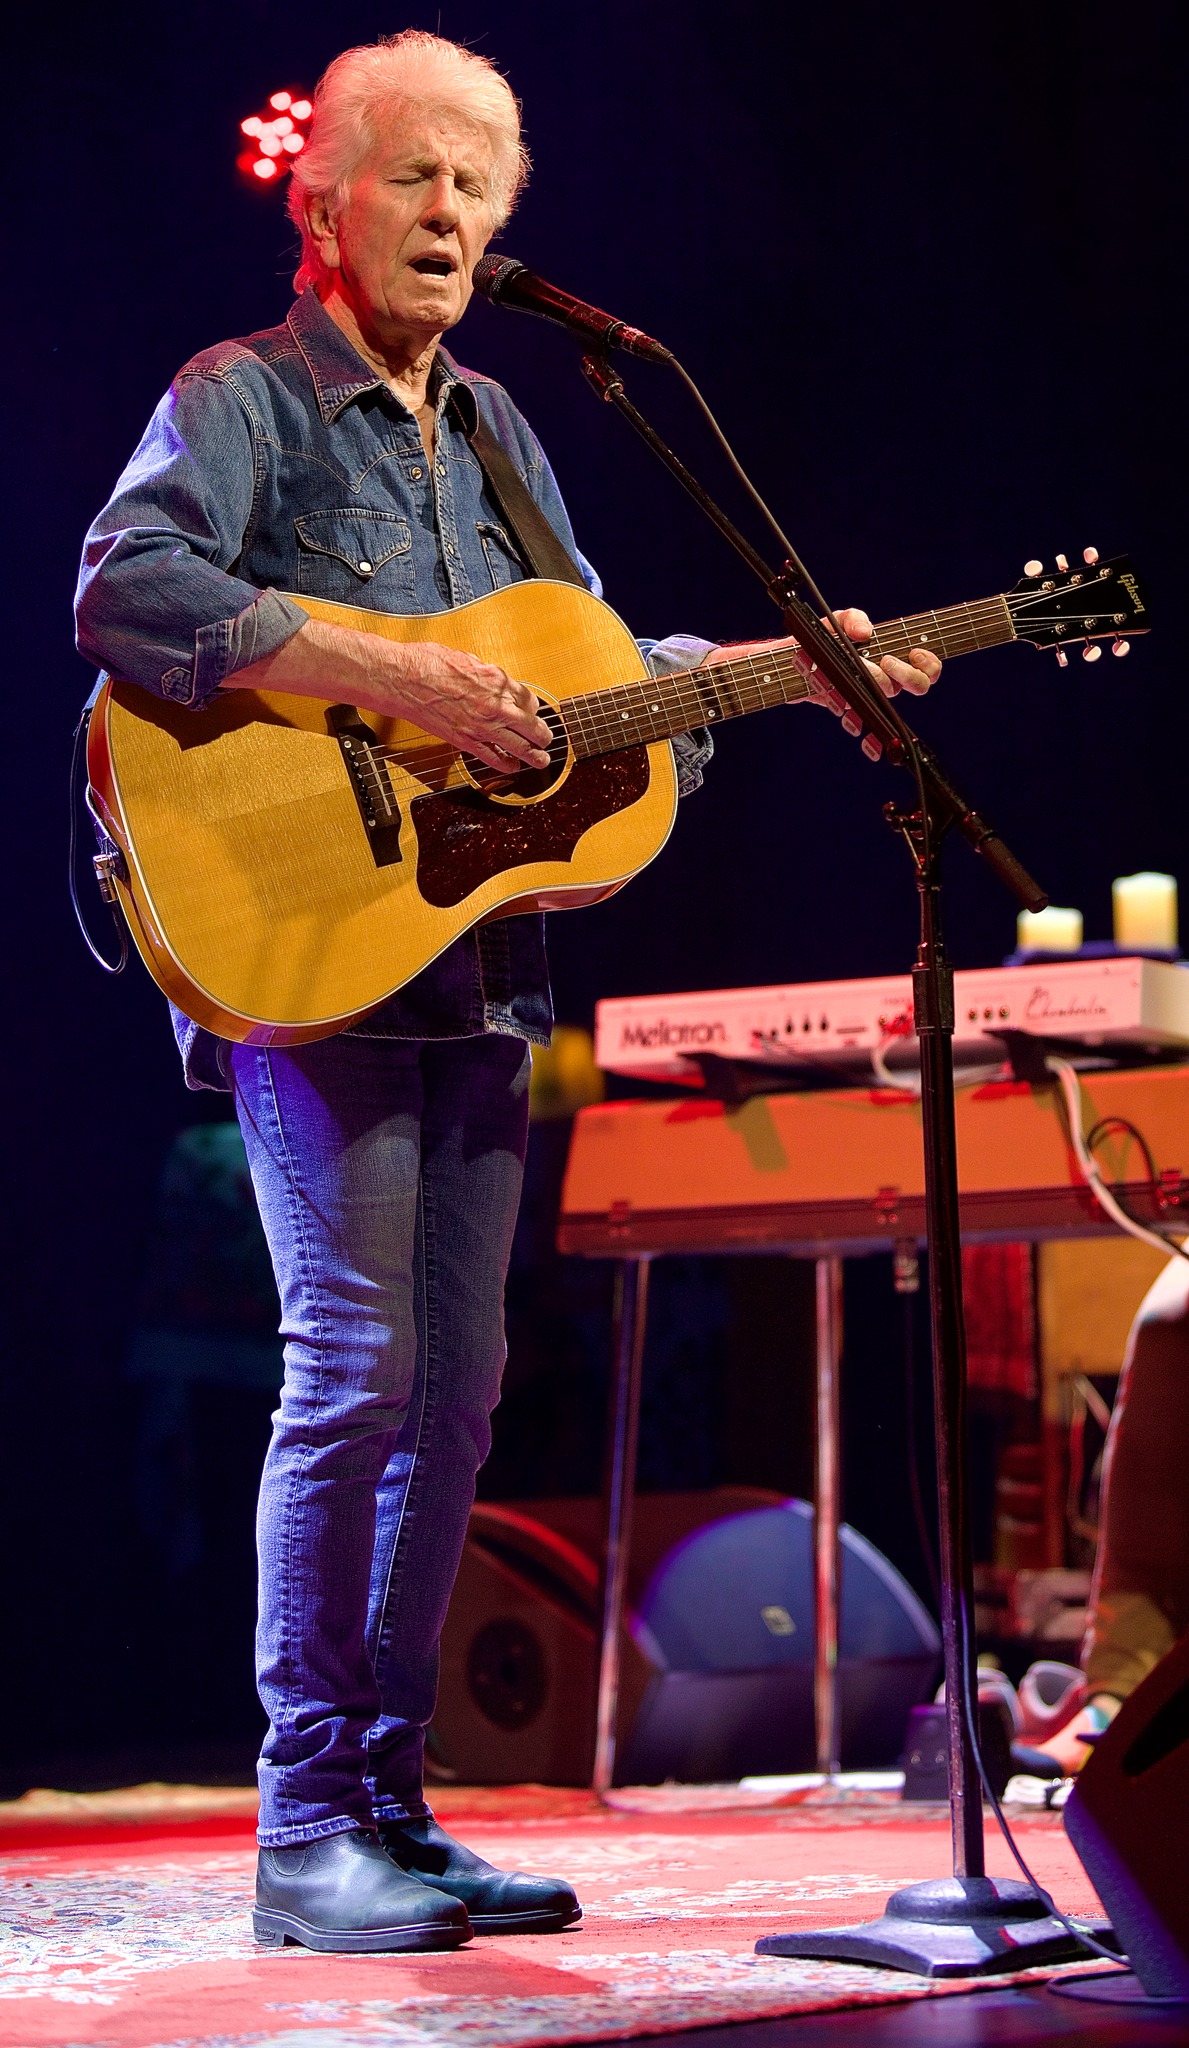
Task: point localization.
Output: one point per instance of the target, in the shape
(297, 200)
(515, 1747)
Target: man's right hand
(472, 705)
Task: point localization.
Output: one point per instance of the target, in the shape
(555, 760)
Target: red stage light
(276, 136)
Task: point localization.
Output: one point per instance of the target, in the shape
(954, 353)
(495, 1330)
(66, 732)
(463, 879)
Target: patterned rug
(146, 1943)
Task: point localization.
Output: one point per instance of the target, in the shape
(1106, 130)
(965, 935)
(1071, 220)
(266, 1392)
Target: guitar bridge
(364, 755)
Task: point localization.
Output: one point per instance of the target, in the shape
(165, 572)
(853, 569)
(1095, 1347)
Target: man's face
(414, 224)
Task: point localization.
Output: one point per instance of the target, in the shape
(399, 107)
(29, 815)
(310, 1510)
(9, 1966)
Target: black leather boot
(343, 1893)
(497, 1901)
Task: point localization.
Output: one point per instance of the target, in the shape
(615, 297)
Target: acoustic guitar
(285, 865)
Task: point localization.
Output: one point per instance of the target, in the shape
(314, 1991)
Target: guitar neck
(633, 714)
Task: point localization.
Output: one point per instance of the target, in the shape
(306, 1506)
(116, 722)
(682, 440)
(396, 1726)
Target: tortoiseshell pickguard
(463, 839)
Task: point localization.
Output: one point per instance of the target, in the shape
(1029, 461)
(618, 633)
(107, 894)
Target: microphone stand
(968, 1924)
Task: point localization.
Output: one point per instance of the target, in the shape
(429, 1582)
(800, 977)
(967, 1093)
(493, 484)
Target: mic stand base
(948, 1927)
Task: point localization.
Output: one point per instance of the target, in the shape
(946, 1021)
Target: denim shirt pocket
(500, 553)
(356, 556)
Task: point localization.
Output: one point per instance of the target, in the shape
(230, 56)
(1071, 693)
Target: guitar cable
(1085, 1159)
(75, 785)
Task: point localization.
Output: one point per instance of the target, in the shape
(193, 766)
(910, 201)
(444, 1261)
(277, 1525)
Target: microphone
(508, 283)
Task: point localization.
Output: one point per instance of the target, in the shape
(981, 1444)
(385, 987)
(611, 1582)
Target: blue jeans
(388, 1174)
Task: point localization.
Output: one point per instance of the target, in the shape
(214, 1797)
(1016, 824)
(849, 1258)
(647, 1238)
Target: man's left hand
(915, 675)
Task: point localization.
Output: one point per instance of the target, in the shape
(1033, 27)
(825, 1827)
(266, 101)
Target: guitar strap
(545, 554)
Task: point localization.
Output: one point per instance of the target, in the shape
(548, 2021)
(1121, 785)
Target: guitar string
(591, 710)
(777, 664)
(590, 715)
(599, 717)
(887, 638)
(684, 691)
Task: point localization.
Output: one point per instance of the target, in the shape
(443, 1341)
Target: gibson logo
(1131, 587)
(665, 1033)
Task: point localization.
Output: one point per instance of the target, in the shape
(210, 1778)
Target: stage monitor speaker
(1128, 1819)
(516, 1702)
(717, 1654)
(728, 1619)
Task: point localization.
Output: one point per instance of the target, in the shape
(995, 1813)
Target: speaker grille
(506, 1674)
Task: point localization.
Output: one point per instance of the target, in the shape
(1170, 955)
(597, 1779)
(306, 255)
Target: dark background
(927, 263)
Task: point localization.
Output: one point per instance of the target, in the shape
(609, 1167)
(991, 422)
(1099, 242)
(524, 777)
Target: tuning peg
(852, 724)
(873, 748)
(1062, 657)
(1063, 563)
(1120, 646)
(1090, 555)
(1033, 568)
(1091, 652)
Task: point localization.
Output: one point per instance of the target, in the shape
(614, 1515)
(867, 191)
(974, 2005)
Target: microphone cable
(907, 740)
(910, 748)
(1071, 1088)
(761, 505)
(1046, 1899)
(1090, 1169)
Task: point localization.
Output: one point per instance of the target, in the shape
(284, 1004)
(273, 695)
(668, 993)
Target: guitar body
(258, 894)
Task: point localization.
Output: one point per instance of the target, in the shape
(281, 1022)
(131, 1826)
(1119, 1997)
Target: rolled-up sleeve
(691, 750)
(157, 600)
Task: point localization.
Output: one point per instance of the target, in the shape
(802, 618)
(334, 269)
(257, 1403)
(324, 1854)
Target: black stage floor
(1025, 2016)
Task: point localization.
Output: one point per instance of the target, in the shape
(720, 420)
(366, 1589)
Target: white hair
(421, 70)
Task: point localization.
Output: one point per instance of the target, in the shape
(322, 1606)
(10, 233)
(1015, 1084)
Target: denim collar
(338, 371)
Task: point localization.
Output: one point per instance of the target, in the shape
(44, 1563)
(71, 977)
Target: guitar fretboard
(633, 714)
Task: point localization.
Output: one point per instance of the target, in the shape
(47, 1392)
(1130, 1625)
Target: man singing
(329, 456)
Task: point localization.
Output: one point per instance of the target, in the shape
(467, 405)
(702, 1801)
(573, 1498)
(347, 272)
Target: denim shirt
(285, 463)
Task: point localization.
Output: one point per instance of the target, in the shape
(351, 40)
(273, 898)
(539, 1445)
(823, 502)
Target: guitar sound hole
(530, 783)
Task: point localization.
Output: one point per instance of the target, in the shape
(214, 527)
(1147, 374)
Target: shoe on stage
(343, 1894)
(497, 1901)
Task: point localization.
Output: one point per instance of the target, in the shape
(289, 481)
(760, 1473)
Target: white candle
(1049, 931)
(1145, 908)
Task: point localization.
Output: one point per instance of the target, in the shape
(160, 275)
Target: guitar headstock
(1063, 606)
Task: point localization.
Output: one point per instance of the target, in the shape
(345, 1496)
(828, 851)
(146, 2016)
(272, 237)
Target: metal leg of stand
(949, 1422)
(827, 1501)
(631, 1317)
(968, 1924)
